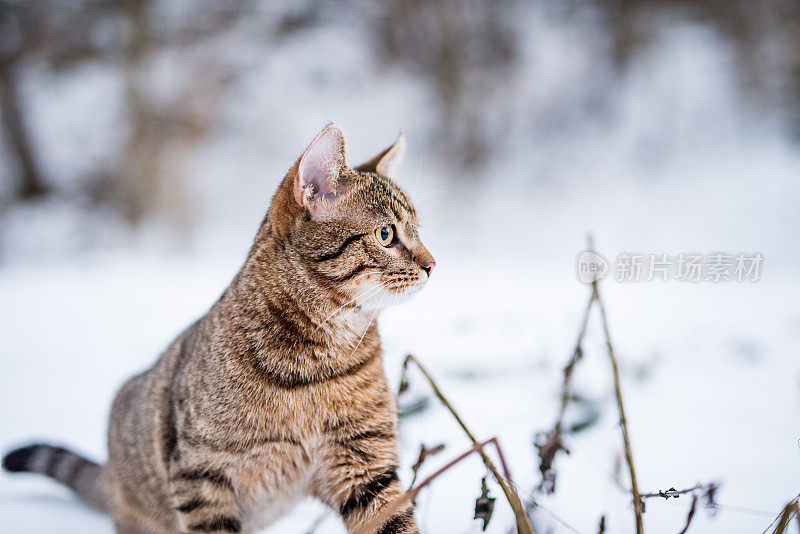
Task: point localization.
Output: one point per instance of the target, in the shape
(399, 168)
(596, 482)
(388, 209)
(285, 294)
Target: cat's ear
(387, 162)
(320, 168)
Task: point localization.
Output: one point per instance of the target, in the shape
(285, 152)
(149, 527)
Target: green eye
(385, 235)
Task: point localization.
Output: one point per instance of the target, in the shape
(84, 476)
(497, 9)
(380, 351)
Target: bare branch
(672, 492)
(690, 515)
(523, 522)
(788, 512)
(601, 528)
(638, 505)
(411, 493)
(551, 443)
(784, 516)
(424, 453)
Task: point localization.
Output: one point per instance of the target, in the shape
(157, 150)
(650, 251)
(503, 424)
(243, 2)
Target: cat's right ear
(319, 171)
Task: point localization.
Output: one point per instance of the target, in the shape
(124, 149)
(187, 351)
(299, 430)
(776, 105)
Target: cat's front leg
(360, 478)
(205, 500)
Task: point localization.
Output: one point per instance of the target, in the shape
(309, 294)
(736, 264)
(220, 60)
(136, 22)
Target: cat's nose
(425, 260)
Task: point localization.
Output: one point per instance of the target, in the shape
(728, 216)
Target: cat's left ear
(320, 168)
(387, 162)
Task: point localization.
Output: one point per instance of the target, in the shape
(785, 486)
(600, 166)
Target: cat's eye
(385, 235)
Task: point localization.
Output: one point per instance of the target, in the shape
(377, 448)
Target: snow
(711, 377)
(716, 400)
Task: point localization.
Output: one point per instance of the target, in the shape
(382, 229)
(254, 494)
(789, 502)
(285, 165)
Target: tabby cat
(278, 391)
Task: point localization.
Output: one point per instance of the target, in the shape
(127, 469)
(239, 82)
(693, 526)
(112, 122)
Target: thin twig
(786, 516)
(577, 354)
(478, 447)
(780, 515)
(690, 515)
(534, 504)
(424, 453)
(637, 501)
(523, 522)
(672, 492)
(553, 442)
(742, 510)
(411, 493)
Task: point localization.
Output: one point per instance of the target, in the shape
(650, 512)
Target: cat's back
(142, 412)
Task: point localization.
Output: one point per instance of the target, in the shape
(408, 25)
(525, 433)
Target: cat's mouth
(407, 289)
(392, 294)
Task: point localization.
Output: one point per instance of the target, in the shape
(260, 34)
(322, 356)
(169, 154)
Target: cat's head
(350, 230)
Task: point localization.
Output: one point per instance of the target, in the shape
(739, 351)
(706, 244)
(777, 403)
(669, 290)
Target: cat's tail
(84, 477)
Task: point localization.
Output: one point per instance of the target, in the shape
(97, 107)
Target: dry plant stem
(690, 515)
(676, 493)
(423, 455)
(637, 500)
(673, 493)
(553, 442)
(601, 528)
(411, 493)
(568, 369)
(523, 522)
(786, 516)
(476, 448)
(669, 493)
(576, 355)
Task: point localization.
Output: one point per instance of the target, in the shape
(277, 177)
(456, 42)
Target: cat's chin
(385, 298)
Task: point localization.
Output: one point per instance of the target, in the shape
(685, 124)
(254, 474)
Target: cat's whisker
(375, 290)
(364, 292)
(372, 292)
(366, 295)
(416, 181)
(374, 313)
(382, 285)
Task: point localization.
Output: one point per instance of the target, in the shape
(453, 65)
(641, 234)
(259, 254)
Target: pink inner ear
(320, 166)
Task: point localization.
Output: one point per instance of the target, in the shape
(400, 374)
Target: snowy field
(710, 375)
(710, 371)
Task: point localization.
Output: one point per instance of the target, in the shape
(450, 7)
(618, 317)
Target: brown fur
(279, 390)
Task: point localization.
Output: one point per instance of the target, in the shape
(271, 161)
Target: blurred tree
(469, 53)
(129, 35)
(161, 132)
(764, 38)
(466, 50)
(19, 31)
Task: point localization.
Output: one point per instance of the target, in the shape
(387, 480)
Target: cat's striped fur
(279, 390)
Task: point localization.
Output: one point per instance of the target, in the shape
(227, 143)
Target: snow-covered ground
(710, 376)
(710, 372)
